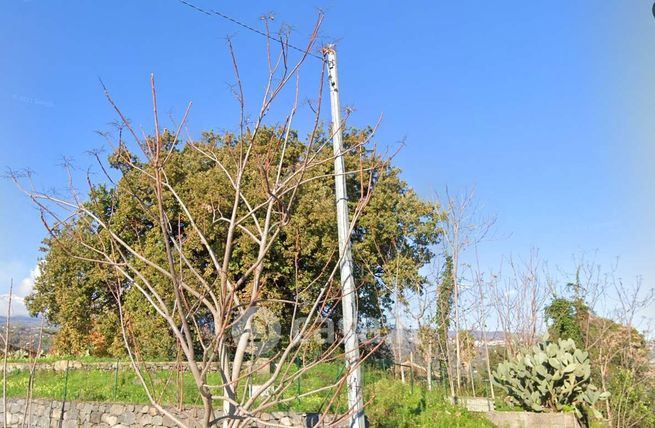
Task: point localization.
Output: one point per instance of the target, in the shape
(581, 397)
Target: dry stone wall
(55, 414)
(532, 420)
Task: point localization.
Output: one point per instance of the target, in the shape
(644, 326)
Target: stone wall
(48, 413)
(476, 404)
(532, 420)
(52, 414)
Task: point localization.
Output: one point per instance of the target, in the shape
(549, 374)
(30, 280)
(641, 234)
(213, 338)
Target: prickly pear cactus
(550, 376)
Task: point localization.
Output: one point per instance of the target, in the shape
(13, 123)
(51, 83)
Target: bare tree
(215, 317)
(518, 292)
(482, 317)
(628, 345)
(420, 306)
(463, 228)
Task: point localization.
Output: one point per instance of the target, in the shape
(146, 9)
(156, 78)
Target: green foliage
(619, 357)
(399, 405)
(551, 376)
(98, 385)
(390, 402)
(106, 338)
(467, 346)
(634, 399)
(442, 314)
(397, 229)
(79, 292)
(142, 321)
(565, 317)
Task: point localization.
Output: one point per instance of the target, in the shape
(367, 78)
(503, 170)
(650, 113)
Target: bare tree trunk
(429, 366)
(449, 367)
(603, 381)
(225, 369)
(482, 311)
(458, 358)
(462, 228)
(398, 335)
(180, 377)
(412, 372)
(488, 365)
(4, 365)
(472, 380)
(27, 420)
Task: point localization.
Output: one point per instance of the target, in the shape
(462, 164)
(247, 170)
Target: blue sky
(546, 108)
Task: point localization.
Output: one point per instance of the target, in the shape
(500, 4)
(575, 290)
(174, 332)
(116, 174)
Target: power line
(211, 12)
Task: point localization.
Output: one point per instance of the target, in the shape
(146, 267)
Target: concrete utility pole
(349, 299)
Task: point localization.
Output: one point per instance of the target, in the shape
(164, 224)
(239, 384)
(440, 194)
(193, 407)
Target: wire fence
(171, 384)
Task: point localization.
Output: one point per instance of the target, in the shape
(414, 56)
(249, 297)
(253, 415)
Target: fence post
(411, 370)
(66, 381)
(411, 378)
(298, 365)
(115, 379)
(63, 404)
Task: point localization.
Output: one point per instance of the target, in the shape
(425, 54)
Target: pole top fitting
(328, 49)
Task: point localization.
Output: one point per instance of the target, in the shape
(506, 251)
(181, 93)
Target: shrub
(551, 376)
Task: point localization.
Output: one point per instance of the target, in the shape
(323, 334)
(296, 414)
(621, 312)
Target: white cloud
(26, 285)
(17, 305)
(11, 271)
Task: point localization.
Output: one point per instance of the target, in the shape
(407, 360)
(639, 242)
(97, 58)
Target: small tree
(204, 263)
(463, 228)
(468, 352)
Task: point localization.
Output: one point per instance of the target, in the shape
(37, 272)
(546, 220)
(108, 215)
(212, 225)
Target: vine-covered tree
(442, 317)
(565, 319)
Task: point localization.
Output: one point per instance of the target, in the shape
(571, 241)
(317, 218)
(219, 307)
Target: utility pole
(349, 298)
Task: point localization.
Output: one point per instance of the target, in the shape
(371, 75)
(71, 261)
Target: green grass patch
(54, 358)
(390, 403)
(395, 404)
(101, 385)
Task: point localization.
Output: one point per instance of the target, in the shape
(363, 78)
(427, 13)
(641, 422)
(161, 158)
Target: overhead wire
(211, 12)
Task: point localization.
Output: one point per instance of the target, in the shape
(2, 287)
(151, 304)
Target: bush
(633, 399)
(551, 376)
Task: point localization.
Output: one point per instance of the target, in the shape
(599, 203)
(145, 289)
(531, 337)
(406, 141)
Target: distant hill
(409, 337)
(24, 333)
(21, 320)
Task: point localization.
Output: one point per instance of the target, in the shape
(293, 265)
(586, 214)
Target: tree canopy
(397, 229)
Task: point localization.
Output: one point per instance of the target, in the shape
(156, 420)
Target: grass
(99, 385)
(395, 404)
(390, 403)
(54, 358)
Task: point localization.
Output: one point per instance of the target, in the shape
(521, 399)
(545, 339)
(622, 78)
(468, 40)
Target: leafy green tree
(68, 293)
(396, 229)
